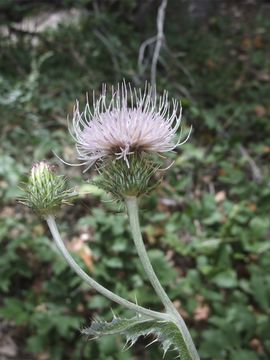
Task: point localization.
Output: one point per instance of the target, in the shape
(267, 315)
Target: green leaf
(244, 354)
(165, 332)
(226, 279)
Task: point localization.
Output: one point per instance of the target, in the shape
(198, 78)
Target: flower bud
(45, 191)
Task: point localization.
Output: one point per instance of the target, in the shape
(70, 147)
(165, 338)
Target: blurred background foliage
(207, 227)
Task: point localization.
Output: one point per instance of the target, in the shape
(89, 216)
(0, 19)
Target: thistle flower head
(45, 191)
(125, 122)
(121, 132)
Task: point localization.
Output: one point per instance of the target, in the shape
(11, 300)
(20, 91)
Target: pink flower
(124, 122)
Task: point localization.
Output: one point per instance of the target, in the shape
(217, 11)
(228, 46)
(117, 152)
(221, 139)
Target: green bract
(45, 191)
(123, 181)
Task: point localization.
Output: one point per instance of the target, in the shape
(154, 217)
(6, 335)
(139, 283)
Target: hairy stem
(94, 284)
(133, 214)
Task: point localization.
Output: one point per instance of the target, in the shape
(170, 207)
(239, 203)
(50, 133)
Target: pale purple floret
(125, 121)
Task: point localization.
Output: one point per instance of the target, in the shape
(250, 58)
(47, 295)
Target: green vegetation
(207, 226)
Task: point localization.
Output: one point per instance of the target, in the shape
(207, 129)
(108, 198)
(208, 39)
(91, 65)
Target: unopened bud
(45, 191)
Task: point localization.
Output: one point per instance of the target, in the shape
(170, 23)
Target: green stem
(133, 213)
(101, 289)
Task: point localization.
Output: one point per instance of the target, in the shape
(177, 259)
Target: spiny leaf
(165, 332)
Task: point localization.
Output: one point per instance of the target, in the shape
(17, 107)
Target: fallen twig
(256, 172)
